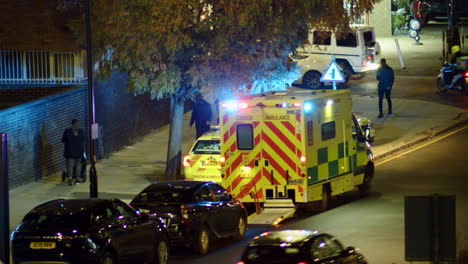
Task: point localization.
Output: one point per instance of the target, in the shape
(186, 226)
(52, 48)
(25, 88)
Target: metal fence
(42, 67)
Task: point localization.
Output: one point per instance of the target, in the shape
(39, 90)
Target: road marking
(421, 146)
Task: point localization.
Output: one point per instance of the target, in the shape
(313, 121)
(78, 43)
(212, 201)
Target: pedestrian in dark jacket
(73, 139)
(386, 78)
(201, 116)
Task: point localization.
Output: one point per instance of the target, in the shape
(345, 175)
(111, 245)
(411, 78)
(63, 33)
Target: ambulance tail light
(297, 105)
(187, 161)
(303, 160)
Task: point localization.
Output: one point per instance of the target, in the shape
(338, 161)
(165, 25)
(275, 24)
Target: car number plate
(42, 245)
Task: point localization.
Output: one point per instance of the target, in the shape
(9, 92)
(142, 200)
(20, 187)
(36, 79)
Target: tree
(177, 48)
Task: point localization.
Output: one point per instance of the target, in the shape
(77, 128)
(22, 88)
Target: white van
(355, 52)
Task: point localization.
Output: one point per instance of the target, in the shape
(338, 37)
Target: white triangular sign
(332, 74)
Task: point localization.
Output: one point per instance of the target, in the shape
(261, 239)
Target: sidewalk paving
(126, 172)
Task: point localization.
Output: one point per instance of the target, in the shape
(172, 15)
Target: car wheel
(107, 258)
(326, 194)
(364, 188)
(202, 241)
(441, 86)
(311, 80)
(345, 70)
(162, 252)
(241, 227)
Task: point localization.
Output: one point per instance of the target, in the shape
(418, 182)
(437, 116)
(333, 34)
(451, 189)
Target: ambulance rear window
(244, 136)
(207, 147)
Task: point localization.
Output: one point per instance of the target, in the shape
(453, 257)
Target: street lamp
(93, 184)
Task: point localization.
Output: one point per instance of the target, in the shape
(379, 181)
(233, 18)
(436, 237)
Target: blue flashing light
(307, 107)
(230, 105)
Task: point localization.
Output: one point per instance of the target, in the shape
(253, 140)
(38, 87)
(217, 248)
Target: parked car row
(107, 231)
(164, 214)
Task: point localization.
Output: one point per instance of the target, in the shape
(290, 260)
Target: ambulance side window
(328, 130)
(244, 135)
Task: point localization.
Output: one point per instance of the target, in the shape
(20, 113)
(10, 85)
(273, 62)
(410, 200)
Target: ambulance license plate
(295, 181)
(42, 245)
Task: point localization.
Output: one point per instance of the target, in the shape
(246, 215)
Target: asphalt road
(375, 225)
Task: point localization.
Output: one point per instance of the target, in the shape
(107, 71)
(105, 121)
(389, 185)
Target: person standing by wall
(386, 78)
(73, 139)
(201, 116)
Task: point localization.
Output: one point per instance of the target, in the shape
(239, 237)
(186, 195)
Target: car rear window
(368, 37)
(207, 147)
(273, 255)
(163, 197)
(35, 221)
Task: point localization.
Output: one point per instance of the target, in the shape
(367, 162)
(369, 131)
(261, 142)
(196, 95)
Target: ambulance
(301, 146)
(202, 161)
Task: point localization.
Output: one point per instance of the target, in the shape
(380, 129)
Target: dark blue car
(195, 212)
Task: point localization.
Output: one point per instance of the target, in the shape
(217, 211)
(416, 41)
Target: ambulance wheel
(364, 188)
(326, 195)
(311, 80)
(441, 86)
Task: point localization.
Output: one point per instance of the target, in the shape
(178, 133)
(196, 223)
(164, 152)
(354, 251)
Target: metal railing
(42, 67)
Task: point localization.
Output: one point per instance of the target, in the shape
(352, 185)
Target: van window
(328, 130)
(244, 136)
(348, 40)
(368, 37)
(322, 38)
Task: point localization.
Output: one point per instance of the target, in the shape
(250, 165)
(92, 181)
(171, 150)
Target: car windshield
(273, 255)
(207, 147)
(163, 197)
(34, 221)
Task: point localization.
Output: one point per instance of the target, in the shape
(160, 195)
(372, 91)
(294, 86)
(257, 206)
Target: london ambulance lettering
(274, 160)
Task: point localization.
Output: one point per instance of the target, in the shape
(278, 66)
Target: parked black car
(89, 231)
(298, 247)
(194, 212)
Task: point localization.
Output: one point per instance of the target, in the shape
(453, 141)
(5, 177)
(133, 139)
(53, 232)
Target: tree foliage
(219, 46)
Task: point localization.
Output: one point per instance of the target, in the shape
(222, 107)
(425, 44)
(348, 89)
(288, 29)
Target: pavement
(126, 172)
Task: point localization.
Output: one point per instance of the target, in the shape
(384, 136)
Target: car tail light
(466, 74)
(187, 161)
(240, 262)
(184, 214)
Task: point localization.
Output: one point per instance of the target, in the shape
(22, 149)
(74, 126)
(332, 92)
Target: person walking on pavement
(73, 139)
(417, 8)
(201, 116)
(386, 78)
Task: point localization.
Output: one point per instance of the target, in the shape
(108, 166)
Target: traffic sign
(332, 73)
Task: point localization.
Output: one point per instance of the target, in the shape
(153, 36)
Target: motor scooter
(452, 78)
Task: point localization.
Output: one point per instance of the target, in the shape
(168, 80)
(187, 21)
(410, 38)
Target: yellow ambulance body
(299, 145)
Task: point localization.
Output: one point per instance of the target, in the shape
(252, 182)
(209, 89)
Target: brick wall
(35, 128)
